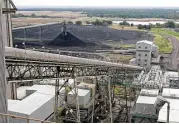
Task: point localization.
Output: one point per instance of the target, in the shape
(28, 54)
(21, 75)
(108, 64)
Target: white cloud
(135, 3)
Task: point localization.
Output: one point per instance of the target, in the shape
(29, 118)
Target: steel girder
(27, 70)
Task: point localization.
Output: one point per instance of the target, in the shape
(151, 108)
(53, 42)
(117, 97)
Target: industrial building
(46, 87)
(157, 84)
(145, 51)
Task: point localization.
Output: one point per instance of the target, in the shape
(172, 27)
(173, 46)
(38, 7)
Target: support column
(3, 97)
(110, 104)
(56, 96)
(13, 91)
(76, 97)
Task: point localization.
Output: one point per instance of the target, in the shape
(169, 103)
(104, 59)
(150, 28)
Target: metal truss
(107, 78)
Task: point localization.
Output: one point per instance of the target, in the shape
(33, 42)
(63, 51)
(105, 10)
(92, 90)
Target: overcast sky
(119, 3)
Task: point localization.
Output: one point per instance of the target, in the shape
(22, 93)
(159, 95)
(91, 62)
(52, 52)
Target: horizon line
(53, 7)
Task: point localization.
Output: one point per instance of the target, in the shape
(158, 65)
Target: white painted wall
(143, 54)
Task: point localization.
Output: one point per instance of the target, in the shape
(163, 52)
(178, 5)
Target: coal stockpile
(66, 39)
(93, 37)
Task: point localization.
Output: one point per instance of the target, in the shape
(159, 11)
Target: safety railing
(25, 118)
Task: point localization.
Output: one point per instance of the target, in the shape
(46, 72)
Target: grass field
(165, 46)
(63, 14)
(163, 31)
(19, 22)
(119, 27)
(119, 44)
(119, 57)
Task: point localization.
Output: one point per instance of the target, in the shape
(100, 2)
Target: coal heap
(66, 39)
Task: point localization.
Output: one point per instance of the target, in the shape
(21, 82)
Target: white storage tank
(83, 97)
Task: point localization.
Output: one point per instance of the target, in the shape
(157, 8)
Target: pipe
(35, 55)
(168, 112)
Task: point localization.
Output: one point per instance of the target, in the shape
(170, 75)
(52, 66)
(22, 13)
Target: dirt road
(175, 53)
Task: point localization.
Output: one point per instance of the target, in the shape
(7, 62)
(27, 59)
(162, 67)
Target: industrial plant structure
(47, 87)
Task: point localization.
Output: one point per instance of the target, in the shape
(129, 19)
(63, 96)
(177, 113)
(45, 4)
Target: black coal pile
(66, 39)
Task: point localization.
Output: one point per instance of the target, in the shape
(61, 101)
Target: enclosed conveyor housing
(15, 53)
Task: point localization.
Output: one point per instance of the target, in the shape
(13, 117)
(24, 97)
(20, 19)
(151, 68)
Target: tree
(88, 22)
(170, 24)
(148, 27)
(78, 23)
(70, 22)
(107, 21)
(140, 26)
(33, 15)
(105, 24)
(124, 23)
(97, 22)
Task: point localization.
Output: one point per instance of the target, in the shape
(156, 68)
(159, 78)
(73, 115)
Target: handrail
(25, 118)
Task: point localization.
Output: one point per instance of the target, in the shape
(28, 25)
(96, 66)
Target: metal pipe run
(35, 55)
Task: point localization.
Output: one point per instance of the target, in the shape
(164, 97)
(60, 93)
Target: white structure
(153, 79)
(170, 93)
(132, 61)
(151, 92)
(91, 87)
(155, 51)
(144, 107)
(174, 111)
(38, 103)
(144, 50)
(143, 53)
(83, 97)
(21, 92)
(171, 80)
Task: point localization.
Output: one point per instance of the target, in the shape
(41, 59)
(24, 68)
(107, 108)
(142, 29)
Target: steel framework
(23, 69)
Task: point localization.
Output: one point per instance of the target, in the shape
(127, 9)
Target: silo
(3, 100)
